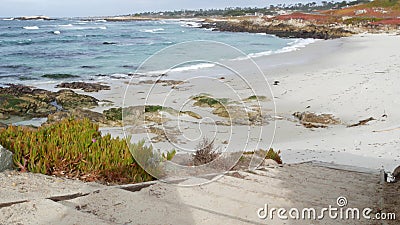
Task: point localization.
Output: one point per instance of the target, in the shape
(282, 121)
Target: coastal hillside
(376, 9)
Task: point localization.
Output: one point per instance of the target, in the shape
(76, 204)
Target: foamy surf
(152, 30)
(292, 46)
(31, 28)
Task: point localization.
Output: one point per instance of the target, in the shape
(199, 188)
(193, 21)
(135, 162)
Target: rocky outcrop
(312, 120)
(71, 100)
(87, 87)
(283, 29)
(19, 100)
(80, 114)
(6, 161)
(34, 18)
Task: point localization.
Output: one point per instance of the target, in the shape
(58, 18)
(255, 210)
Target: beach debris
(87, 87)
(312, 120)
(276, 83)
(6, 159)
(361, 122)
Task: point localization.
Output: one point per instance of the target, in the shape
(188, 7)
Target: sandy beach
(351, 78)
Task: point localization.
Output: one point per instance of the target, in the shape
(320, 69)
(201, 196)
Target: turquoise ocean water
(30, 49)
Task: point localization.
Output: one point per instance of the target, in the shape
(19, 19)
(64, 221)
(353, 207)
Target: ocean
(98, 49)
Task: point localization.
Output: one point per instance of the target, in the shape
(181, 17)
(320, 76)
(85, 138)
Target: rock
(24, 101)
(3, 125)
(280, 29)
(396, 174)
(71, 100)
(6, 159)
(109, 43)
(4, 116)
(57, 76)
(312, 120)
(192, 114)
(270, 162)
(80, 114)
(87, 87)
(34, 18)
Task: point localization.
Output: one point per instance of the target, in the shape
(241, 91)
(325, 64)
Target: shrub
(204, 100)
(75, 149)
(271, 154)
(113, 114)
(205, 152)
(153, 108)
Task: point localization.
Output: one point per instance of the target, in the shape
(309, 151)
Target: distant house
(359, 12)
(258, 14)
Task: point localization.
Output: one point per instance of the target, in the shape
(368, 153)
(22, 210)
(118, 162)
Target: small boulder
(6, 159)
(87, 87)
(396, 174)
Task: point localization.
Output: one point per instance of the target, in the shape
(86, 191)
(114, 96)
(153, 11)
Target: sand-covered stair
(232, 199)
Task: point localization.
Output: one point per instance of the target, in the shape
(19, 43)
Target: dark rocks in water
(283, 29)
(57, 76)
(88, 67)
(87, 87)
(109, 43)
(71, 100)
(34, 18)
(24, 101)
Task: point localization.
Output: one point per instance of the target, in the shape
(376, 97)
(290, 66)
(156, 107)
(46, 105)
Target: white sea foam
(152, 30)
(296, 45)
(66, 25)
(191, 24)
(31, 28)
(57, 32)
(177, 69)
(8, 19)
(292, 46)
(193, 67)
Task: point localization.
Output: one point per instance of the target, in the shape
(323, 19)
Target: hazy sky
(63, 8)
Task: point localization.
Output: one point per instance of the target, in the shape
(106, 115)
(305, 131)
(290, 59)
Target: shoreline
(338, 144)
(304, 75)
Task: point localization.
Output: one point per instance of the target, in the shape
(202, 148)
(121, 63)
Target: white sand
(353, 78)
